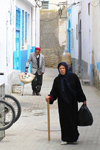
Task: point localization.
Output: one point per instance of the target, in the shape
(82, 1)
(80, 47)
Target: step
(85, 82)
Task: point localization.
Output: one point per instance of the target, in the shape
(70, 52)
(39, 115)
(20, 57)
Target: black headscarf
(65, 82)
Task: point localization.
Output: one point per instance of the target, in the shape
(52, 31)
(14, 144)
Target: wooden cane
(48, 118)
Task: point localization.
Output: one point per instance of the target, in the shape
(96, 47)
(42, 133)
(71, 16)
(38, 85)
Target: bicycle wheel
(16, 105)
(7, 115)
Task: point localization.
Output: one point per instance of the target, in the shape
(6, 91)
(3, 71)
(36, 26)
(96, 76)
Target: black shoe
(34, 93)
(38, 94)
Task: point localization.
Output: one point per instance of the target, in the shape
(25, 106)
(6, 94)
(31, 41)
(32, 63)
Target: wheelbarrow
(26, 78)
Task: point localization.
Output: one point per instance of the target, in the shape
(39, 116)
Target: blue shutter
(25, 25)
(17, 19)
(22, 27)
(17, 54)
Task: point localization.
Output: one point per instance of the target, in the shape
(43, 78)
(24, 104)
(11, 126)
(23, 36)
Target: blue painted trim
(90, 69)
(69, 35)
(33, 49)
(69, 10)
(22, 27)
(17, 54)
(14, 60)
(98, 66)
(23, 60)
(19, 66)
(28, 54)
(91, 74)
(25, 25)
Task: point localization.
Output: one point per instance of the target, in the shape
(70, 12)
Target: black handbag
(85, 117)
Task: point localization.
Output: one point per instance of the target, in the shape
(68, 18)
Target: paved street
(30, 131)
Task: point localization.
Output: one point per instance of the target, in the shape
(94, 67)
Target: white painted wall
(96, 33)
(33, 25)
(86, 31)
(2, 39)
(74, 20)
(37, 27)
(62, 32)
(8, 36)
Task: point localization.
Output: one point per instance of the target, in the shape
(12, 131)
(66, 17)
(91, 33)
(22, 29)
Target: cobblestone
(30, 131)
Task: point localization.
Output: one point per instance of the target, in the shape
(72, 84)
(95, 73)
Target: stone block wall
(49, 37)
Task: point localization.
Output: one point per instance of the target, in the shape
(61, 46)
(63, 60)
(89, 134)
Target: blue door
(18, 50)
(17, 53)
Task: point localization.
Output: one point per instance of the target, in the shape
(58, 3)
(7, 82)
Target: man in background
(37, 68)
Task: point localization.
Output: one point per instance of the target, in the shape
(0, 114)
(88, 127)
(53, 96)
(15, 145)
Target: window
(25, 25)
(17, 19)
(89, 9)
(45, 4)
(22, 27)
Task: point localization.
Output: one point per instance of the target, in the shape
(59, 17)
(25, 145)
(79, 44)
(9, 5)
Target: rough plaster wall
(96, 44)
(49, 38)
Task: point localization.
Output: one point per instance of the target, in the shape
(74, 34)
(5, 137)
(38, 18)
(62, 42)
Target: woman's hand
(47, 98)
(85, 103)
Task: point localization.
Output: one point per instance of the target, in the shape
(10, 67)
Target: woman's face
(62, 70)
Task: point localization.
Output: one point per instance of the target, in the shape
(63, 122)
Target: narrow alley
(30, 131)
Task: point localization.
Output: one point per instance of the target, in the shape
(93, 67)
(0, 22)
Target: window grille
(45, 4)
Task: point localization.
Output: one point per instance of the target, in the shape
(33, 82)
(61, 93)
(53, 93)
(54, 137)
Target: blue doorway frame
(69, 36)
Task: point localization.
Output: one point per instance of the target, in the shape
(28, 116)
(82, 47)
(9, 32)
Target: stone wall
(49, 38)
(52, 57)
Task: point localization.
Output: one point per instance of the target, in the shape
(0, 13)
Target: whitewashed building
(19, 34)
(83, 34)
(79, 37)
(95, 4)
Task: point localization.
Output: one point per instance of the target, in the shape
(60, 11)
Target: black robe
(68, 111)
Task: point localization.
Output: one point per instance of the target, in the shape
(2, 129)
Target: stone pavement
(30, 131)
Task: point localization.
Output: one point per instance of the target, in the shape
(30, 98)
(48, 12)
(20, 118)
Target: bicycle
(9, 105)
(16, 105)
(7, 115)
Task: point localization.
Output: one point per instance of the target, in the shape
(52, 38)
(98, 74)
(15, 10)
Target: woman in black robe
(67, 89)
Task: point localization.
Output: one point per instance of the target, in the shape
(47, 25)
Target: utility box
(2, 94)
